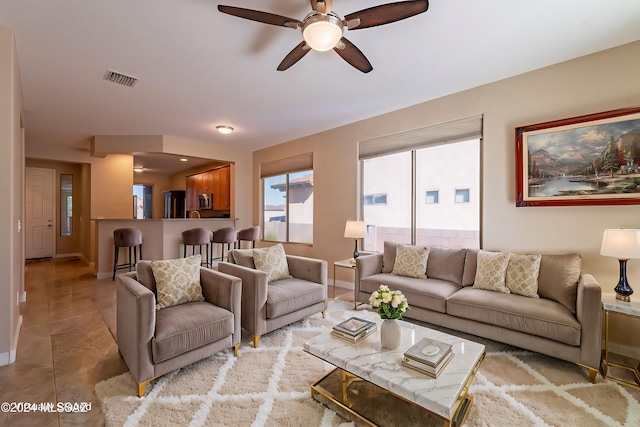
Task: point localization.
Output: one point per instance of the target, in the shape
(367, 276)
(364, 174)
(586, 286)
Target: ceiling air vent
(121, 79)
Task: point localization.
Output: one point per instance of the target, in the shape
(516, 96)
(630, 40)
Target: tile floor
(66, 344)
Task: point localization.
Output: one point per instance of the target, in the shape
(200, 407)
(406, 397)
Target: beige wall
(12, 195)
(599, 82)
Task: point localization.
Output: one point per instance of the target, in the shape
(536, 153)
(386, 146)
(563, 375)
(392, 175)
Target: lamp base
(623, 290)
(625, 298)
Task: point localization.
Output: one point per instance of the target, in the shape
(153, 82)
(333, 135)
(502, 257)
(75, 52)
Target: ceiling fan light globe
(322, 32)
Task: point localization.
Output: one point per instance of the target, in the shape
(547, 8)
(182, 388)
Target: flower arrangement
(390, 304)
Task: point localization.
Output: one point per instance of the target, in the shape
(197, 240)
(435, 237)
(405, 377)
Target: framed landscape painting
(586, 160)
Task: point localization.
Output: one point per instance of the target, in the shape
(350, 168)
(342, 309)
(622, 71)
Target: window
(66, 205)
(375, 199)
(407, 167)
(462, 196)
(142, 201)
(287, 199)
(432, 197)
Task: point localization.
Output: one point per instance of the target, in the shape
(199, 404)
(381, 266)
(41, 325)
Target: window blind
(288, 165)
(454, 131)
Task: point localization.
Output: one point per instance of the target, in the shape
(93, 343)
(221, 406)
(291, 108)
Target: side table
(611, 305)
(345, 263)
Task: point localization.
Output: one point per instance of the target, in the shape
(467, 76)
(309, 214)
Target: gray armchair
(154, 343)
(270, 306)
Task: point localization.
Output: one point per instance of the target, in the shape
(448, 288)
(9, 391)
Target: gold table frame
(464, 401)
(605, 360)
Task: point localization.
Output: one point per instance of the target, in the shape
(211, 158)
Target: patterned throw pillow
(522, 274)
(411, 261)
(273, 261)
(177, 281)
(491, 271)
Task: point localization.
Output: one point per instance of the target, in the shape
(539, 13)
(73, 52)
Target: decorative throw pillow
(558, 278)
(411, 261)
(522, 274)
(491, 271)
(177, 281)
(388, 256)
(273, 261)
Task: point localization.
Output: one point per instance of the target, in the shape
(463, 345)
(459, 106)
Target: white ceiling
(199, 68)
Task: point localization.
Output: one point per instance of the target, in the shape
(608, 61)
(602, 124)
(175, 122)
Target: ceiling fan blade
(294, 56)
(258, 16)
(350, 53)
(386, 13)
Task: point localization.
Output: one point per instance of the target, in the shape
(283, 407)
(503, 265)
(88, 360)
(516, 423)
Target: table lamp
(623, 244)
(355, 230)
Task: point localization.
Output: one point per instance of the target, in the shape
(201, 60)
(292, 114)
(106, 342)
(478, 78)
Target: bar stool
(197, 237)
(126, 238)
(250, 234)
(227, 235)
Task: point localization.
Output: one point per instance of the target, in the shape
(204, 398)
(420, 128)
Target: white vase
(390, 333)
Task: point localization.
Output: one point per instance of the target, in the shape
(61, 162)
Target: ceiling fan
(322, 28)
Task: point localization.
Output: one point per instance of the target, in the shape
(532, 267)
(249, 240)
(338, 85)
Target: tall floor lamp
(623, 244)
(355, 230)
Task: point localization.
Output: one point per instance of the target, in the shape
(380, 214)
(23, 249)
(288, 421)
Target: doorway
(142, 201)
(39, 212)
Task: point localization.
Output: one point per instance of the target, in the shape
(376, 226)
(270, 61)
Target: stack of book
(428, 356)
(354, 329)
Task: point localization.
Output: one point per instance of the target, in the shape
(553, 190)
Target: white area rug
(269, 386)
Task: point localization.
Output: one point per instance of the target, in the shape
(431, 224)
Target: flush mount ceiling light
(184, 160)
(138, 169)
(322, 29)
(224, 129)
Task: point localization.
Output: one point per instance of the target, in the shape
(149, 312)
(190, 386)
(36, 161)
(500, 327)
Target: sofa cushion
(388, 256)
(430, 294)
(522, 274)
(470, 265)
(491, 271)
(177, 281)
(446, 264)
(544, 318)
(144, 275)
(273, 261)
(243, 257)
(411, 261)
(289, 295)
(187, 327)
(558, 278)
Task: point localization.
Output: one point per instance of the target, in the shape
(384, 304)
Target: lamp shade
(355, 229)
(322, 31)
(621, 243)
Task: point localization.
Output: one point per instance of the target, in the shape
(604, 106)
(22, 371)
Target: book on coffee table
(355, 338)
(428, 352)
(353, 326)
(431, 371)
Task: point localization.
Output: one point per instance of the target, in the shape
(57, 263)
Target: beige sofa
(564, 322)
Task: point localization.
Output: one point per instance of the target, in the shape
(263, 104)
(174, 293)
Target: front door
(39, 225)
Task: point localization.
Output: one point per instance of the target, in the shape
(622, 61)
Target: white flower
(386, 297)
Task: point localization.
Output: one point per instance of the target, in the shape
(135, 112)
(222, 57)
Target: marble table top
(369, 361)
(610, 303)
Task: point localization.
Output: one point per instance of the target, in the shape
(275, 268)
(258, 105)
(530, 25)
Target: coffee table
(446, 397)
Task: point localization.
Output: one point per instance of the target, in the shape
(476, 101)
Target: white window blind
(454, 131)
(288, 165)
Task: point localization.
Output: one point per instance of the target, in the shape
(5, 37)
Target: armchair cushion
(177, 281)
(183, 328)
(289, 295)
(273, 261)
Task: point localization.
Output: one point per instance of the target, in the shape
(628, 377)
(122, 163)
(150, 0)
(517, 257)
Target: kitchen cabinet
(216, 182)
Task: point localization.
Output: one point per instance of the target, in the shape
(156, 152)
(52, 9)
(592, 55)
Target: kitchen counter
(161, 238)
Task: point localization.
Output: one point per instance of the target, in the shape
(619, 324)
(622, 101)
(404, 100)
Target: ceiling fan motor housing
(322, 31)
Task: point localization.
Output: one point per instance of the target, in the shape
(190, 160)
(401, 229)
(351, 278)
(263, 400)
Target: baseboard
(23, 296)
(104, 275)
(342, 284)
(623, 350)
(78, 255)
(9, 357)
